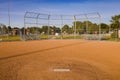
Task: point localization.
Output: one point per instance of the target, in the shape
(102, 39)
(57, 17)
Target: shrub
(114, 34)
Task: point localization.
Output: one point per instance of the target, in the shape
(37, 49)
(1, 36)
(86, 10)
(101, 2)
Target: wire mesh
(41, 19)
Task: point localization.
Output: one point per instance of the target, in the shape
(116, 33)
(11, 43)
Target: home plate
(61, 70)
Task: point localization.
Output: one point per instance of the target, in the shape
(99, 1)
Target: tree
(9, 29)
(5, 29)
(79, 26)
(104, 28)
(45, 29)
(88, 27)
(51, 30)
(71, 30)
(0, 30)
(115, 22)
(56, 29)
(40, 30)
(65, 29)
(115, 25)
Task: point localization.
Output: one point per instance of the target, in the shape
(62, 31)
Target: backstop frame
(36, 16)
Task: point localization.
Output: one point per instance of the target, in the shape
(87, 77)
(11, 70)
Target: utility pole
(8, 16)
(99, 26)
(86, 24)
(49, 26)
(119, 28)
(9, 12)
(61, 26)
(75, 31)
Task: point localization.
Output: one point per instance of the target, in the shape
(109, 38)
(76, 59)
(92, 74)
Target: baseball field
(60, 60)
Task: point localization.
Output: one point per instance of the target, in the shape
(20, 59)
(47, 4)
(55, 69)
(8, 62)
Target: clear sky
(106, 8)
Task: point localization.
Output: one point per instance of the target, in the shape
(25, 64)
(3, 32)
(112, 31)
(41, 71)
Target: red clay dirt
(36, 60)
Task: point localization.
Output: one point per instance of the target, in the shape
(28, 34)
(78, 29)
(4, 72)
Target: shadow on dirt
(34, 52)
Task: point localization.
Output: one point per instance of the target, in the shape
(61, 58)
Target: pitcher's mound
(62, 70)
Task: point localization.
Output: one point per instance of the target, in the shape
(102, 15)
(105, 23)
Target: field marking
(61, 70)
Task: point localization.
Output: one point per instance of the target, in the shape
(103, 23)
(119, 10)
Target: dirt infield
(36, 60)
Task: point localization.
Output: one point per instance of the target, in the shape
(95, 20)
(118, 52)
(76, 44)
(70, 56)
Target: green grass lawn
(17, 38)
(114, 39)
(73, 37)
(43, 36)
(10, 38)
(59, 37)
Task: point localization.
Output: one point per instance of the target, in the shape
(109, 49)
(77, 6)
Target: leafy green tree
(5, 29)
(56, 29)
(93, 28)
(22, 30)
(9, 29)
(104, 28)
(45, 29)
(79, 26)
(33, 30)
(115, 25)
(115, 22)
(0, 30)
(88, 26)
(39, 30)
(71, 30)
(66, 29)
(51, 30)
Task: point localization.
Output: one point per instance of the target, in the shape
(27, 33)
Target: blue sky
(106, 8)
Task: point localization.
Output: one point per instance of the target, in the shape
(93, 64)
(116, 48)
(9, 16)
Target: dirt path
(36, 60)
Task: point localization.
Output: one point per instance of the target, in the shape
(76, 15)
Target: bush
(114, 34)
(10, 38)
(105, 37)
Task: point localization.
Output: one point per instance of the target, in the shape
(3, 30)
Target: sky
(106, 8)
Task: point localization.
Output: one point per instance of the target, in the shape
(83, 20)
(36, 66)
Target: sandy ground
(36, 60)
